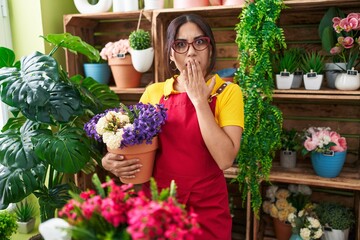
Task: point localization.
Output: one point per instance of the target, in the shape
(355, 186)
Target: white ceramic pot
(26, 227)
(119, 5)
(347, 82)
(153, 4)
(83, 6)
(332, 234)
(331, 71)
(142, 59)
(313, 83)
(284, 82)
(131, 5)
(190, 3)
(288, 159)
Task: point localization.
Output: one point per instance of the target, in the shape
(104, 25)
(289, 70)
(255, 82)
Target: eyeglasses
(182, 46)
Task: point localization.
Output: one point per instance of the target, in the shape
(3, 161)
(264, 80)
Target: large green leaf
(73, 44)
(37, 91)
(67, 150)
(7, 57)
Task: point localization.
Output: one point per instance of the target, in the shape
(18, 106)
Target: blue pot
(100, 72)
(295, 236)
(328, 166)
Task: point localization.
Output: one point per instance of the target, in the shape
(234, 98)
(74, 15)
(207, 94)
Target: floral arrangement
(347, 47)
(119, 212)
(323, 140)
(306, 224)
(127, 126)
(281, 202)
(115, 49)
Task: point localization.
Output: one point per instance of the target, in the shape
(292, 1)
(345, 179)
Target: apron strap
(219, 90)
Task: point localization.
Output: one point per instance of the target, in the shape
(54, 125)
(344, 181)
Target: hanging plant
(258, 37)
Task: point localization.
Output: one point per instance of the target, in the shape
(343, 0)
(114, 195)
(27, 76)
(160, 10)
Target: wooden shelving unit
(301, 108)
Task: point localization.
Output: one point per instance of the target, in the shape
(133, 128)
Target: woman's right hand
(120, 167)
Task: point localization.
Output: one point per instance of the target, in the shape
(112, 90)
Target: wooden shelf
(127, 90)
(326, 94)
(349, 178)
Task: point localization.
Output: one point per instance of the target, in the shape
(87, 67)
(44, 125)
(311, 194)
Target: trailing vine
(258, 37)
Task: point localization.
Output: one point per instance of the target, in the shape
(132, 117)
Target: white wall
(5, 41)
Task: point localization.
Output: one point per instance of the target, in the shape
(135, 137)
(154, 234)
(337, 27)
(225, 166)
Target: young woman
(203, 130)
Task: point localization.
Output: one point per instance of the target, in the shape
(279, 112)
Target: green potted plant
(8, 225)
(142, 54)
(290, 144)
(312, 66)
(336, 218)
(25, 216)
(288, 76)
(257, 37)
(45, 139)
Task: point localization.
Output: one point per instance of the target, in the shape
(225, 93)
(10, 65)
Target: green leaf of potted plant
(54, 108)
(290, 144)
(8, 225)
(312, 66)
(289, 69)
(142, 54)
(336, 218)
(25, 215)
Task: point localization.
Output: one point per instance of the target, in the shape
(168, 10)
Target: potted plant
(118, 56)
(44, 140)
(141, 51)
(288, 67)
(347, 49)
(25, 216)
(328, 150)
(336, 219)
(290, 144)
(258, 144)
(312, 66)
(8, 225)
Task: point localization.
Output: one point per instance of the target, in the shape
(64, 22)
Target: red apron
(183, 156)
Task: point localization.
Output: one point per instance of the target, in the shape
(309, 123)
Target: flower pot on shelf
(328, 165)
(313, 81)
(153, 4)
(190, 3)
(334, 234)
(124, 73)
(349, 81)
(282, 229)
(142, 59)
(26, 227)
(331, 71)
(284, 80)
(83, 6)
(297, 80)
(100, 72)
(288, 159)
(145, 153)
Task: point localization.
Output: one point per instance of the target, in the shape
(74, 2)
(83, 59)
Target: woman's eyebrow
(182, 39)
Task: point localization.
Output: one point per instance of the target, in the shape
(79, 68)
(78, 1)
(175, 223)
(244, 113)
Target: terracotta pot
(124, 73)
(282, 229)
(146, 154)
(190, 3)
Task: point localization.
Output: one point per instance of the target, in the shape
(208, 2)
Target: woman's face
(190, 32)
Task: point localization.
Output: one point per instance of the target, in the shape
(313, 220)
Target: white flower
(318, 233)
(301, 213)
(304, 189)
(314, 222)
(271, 191)
(305, 233)
(291, 219)
(293, 188)
(112, 140)
(100, 126)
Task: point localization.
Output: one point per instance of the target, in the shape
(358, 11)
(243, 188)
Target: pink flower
(336, 50)
(347, 42)
(322, 139)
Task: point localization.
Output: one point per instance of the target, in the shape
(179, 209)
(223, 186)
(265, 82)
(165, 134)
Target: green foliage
(290, 140)
(45, 138)
(290, 60)
(8, 225)
(140, 39)
(326, 31)
(335, 215)
(258, 37)
(313, 61)
(24, 211)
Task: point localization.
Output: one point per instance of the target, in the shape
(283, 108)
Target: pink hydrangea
(115, 49)
(323, 139)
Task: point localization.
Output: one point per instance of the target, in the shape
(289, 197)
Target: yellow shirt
(229, 109)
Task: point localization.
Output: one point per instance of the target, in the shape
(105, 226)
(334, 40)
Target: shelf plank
(349, 178)
(127, 90)
(324, 94)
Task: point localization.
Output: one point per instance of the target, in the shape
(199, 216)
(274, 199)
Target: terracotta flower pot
(124, 73)
(282, 229)
(146, 154)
